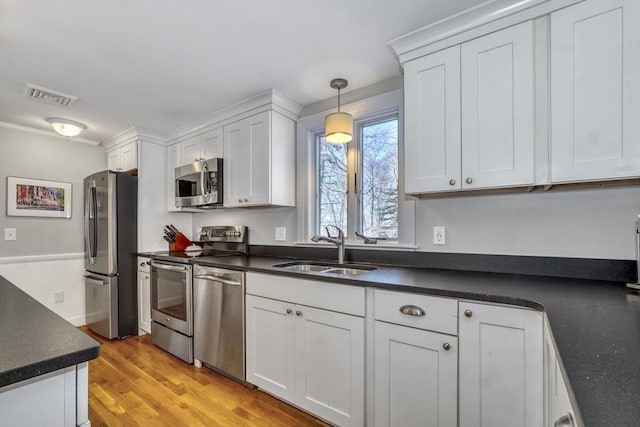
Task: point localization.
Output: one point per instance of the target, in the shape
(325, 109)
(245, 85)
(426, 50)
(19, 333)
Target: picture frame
(38, 198)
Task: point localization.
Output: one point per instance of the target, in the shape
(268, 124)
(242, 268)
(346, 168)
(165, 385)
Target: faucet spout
(338, 241)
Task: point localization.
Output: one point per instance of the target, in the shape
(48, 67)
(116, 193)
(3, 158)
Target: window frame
(370, 108)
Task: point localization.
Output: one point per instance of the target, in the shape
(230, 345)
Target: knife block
(181, 243)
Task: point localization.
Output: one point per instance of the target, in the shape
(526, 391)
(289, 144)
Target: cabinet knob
(469, 180)
(452, 181)
(468, 313)
(246, 200)
(146, 277)
(239, 200)
(446, 346)
(289, 311)
(298, 313)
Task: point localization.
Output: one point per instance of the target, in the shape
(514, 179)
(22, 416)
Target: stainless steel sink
(329, 268)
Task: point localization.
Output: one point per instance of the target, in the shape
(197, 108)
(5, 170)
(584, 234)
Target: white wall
(48, 253)
(580, 223)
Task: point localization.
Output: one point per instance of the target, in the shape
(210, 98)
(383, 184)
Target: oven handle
(169, 267)
(218, 279)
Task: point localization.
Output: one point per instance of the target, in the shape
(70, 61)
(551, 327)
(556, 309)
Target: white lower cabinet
(144, 296)
(416, 377)
(500, 366)
(312, 357)
(415, 360)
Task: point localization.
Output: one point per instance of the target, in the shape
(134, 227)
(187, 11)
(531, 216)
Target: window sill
(386, 246)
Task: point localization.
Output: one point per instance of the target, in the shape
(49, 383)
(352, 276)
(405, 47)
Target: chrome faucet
(338, 241)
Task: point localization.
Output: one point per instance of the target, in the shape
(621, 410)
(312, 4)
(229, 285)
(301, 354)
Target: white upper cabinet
(259, 161)
(595, 91)
(469, 114)
(432, 122)
(123, 158)
(497, 109)
(201, 147)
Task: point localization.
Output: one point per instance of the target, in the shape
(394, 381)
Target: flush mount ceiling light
(66, 127)
(338, 127)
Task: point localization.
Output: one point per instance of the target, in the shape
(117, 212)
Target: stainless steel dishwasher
(218, 328)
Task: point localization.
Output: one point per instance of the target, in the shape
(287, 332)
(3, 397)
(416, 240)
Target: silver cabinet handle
(298, 313)
(446, 346)
(452, 181)
(468, 313)
(412, 310)
(469, 180)
(289, 311)
(565, 421)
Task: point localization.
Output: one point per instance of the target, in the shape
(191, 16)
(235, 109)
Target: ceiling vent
(49, 96)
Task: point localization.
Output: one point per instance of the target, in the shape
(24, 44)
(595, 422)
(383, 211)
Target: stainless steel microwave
(199, 184)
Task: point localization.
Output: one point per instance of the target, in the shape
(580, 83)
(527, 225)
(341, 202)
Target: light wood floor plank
(135, 383)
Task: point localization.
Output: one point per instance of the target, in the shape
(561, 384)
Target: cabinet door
(416, 378)
(129, 156)
(114, 162)
(500, 366)
(173, 161)
(144, 302)
(247, 162)
(595, 91)
(270, 345)
(330, 365)
(212, 144)
(497, 109)
(432, 122)
(190, 150)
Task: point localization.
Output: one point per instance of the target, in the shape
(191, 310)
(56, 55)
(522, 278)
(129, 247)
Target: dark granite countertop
(595, 324)
(34, 340)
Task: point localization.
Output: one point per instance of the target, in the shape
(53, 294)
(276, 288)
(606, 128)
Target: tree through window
(370, 205)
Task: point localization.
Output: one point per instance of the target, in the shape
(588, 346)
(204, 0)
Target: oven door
(171, 296)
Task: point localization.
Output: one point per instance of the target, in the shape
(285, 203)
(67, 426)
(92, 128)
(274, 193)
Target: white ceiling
(158, 64)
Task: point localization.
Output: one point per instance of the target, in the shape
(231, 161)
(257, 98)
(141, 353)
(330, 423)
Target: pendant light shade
(66, 127)
(338, 127)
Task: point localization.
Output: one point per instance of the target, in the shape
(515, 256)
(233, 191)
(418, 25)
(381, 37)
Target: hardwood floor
(134, 383)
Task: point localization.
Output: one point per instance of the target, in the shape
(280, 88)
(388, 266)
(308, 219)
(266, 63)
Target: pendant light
(65, 127)
(338, 126)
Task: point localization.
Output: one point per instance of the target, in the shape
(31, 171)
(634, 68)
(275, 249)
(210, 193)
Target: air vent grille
(49, 96)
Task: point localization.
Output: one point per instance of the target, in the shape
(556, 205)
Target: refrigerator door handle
(91, 211)
(91, 279)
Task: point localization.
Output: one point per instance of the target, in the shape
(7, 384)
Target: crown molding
(487, 17)
(270, 99)
(47, 133)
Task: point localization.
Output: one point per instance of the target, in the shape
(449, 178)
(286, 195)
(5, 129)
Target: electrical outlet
(58, 297)
(439, 237)
(9, 234)
(281, 233)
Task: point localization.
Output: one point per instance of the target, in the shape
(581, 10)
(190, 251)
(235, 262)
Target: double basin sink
(324, 267)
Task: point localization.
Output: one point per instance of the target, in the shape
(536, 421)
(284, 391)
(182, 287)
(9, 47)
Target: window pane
(379, 180)
(332, 185)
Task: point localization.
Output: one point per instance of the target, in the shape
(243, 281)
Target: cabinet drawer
(440, 314)
(143, 264)
(329, 296)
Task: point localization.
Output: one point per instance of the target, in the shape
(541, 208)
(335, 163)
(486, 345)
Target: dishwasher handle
(218, 279)
(168, 267)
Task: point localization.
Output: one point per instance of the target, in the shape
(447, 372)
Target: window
(357, 183)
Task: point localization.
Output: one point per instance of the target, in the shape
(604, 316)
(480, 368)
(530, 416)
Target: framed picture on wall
(36, 197)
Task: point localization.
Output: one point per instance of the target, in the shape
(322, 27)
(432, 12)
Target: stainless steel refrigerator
(110, 230)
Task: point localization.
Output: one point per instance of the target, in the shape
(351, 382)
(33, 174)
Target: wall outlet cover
(439, 236)
(281, 233)
(9, 234)
(58, 297)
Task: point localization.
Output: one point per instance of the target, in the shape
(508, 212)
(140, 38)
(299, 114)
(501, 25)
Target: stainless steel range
(172, 289)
